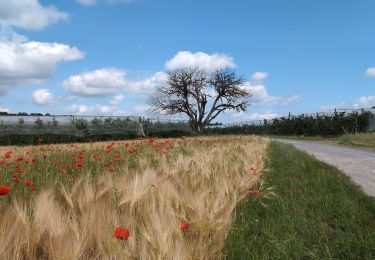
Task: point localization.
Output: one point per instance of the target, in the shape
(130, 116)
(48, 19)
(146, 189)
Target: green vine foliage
(304, 125)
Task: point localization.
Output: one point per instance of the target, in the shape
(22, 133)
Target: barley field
(140, 199)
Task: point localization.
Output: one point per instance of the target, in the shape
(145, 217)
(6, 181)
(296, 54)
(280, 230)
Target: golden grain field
(175, 198)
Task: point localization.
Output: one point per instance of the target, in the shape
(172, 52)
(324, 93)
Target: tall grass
(73, 215)
(318, 214)
(366, 140)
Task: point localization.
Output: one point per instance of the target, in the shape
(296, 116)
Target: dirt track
(358, 164)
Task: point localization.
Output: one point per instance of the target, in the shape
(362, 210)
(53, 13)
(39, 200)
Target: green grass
(365, 140)
(318, 214)
(360, 140)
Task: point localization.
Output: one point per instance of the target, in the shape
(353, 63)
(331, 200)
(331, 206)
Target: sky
(105, 57)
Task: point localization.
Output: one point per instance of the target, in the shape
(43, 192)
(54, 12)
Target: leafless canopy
(202, 96)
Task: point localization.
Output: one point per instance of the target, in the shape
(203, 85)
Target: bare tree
(202, 96)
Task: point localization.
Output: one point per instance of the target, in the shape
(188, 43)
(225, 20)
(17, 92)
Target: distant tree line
(4, 113)
(303, 125)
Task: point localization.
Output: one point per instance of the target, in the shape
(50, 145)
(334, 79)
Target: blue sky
(106, 56)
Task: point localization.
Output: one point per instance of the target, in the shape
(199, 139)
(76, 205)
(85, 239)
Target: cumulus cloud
(146, 85)
(25, 62)
(3, 109)
(42, 97)
(255, 116)
(97, 83)
(258, 91)
(263, 115)
(108, 82)
(117, 100)
(370, 72)
(360, 102)
(29, 14)
(259, 77)
(201, 60)
(99, 109)
(260, 95)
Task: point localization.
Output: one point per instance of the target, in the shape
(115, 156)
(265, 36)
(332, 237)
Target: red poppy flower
(20, 159)
(112, 169)
(163, 153)
(27, 183)
(132, 150)
(33, 187)
(8, 154)
(79, 165)
(255, 192)
(184, 225)
(150, 140)
(4, 190)
(122, 233)
(63, 171)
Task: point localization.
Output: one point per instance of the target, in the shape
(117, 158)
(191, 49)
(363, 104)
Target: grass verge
(318, 213)
(360, 140)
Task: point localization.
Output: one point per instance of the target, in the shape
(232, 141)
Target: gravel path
(358, 164)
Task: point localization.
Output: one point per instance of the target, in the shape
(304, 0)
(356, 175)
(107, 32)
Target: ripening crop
(138, 199)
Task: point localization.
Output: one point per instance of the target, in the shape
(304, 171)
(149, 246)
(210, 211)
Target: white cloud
(201, 60)
(42, 97)
(80, 109)
(86, 2)
(3, 109)
(258, 77)
(25, 62)
(263, 115)
(258, 91)
(99, 109)
(260, 95)
(146, 85)
(291, 100)
(108, 82)
(8, 35)
(29, 14)
(255, 116)
(361, 102)
(117, 100)
(97, 83)
(370, 72)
